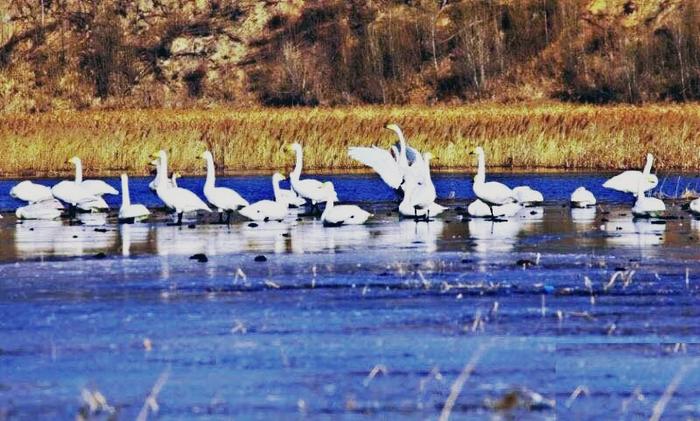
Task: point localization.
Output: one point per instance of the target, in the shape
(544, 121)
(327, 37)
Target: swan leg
(221, 217)
(228, 217)
(179, 218)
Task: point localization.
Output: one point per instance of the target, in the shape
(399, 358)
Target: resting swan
(310, 189)
(222, 198)
(646, 207)
(492, 193)
(129, 212)
(479, 209)
(47, 209)
(527, 196)
(31, 192)
(334, 216)
(268, 210)
(176, 198)
(582, 198)
(631, 181)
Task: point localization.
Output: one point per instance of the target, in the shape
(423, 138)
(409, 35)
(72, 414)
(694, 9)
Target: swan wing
(186, 201)
(381, 161)
(31, 192)
(291, 198)
(494, 193)
(264, 209)
(346, 215)
(133, 211)
(225, 198)
(98, 187)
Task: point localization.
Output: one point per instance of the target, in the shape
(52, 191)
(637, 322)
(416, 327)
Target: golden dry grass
(519, 136)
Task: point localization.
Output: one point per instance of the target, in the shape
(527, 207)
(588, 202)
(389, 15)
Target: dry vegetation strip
(518, 136)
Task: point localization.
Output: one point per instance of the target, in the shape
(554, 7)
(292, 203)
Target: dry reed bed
(518, 136)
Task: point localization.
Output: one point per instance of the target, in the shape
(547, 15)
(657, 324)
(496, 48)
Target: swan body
(94, 187)
(76, 195)
(582, 198)
(336, 215)
(40, 210)
(629, 181)
(527, 196)
(492, 193)
(310, 189)
(176, 198)
(695, 206)
(129, 211)
(648, 206)
(419, 195)
(268, 210)
(479, 209)
(31, 192)
(292, 199)
(222, 198)
(408, 211)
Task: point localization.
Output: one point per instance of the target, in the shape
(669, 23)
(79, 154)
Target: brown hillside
(71, 54)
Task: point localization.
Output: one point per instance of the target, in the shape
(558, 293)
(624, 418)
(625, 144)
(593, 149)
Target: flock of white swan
(401, 167)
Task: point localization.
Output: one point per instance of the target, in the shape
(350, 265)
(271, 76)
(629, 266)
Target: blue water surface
(555, 187)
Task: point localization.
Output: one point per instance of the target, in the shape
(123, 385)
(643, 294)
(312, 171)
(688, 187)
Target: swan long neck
(126, 200)
(276, 188)
(211, 173)
(403, 159)
(481, 169)
(78, 171)
(299, 163)
(162, 171)
(650, 162)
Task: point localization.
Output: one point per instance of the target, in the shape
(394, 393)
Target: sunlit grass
(519, 136)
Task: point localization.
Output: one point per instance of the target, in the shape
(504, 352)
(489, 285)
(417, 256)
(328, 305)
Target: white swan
(408, 211)
(694, 206)
(492, 193)
(176, 198)
(629, 181)
(391, 165)
(381, 161)
(527, 196)
(647, 206)
(222, 198)
(335, 216)
(420, 194)
(268, 210)
(47, 209)
(310, 189)
(31, 192)
(76, 196)
(94, 187)
(479, 209)
(582, 198)
(293, 200)
(128, 211)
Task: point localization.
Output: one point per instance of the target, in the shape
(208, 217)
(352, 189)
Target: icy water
(376, 321)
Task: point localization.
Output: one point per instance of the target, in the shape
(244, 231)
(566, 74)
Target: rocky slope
(178, 53)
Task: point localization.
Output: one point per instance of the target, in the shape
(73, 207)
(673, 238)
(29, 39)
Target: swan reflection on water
(634, 232)
(54, 238)
(494, 236)
(583, 217)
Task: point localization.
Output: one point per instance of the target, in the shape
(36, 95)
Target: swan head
(479, 151)
(393, 127)
(176, 175)
(160, 155)
(207, 155)
(295, 147)
(427, 156)
(277, 177)
(75, 160)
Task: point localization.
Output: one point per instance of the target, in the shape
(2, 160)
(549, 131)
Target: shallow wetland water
(346, 322)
